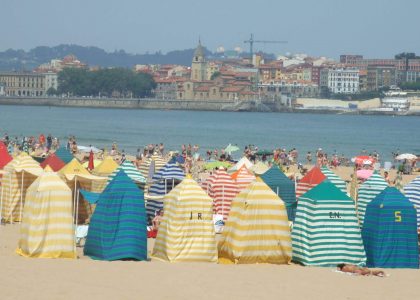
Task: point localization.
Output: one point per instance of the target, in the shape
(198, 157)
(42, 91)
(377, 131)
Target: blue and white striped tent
(163, 182)
(130, 169)
(412, 192)
(335, 179)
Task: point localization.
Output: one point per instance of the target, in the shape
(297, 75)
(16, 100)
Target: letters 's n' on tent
(257, 230)
(118, 226)
(326, 230)
(47, 229)
(335, 179)
(64, 155)
(18, 176)
(367, 192)
(390, 231)
(310, 180)
(412, 192)
(283, 187)
(186, 232)
(55, 163)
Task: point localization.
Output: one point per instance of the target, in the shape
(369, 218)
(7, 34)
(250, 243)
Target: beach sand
(84, 278)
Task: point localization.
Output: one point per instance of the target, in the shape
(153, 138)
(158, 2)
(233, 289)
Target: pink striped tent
(310, 180)
(222, 189)
(243, 177)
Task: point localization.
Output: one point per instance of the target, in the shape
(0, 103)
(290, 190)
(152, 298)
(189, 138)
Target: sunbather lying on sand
(347, 268)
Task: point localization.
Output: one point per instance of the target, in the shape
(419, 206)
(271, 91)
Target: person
(152, 233)
(309, 157)
(387, 178)
(348, 268)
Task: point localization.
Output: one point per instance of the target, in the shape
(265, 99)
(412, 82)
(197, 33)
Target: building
(340, 80)
(275, 90)
(381, 76)
(199, 64)
(23, 84)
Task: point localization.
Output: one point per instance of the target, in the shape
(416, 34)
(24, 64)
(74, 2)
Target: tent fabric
(257, 230)
(18, 176)
(283, 187)
(54, 162)
(244, 161)
(159, 163)
(105, 168)
(90, 197)
(130, 169)
(326, 230)
(64, 155)
(47, 225)
(310, 180)
(390, 231)
(5, 157)
(118, 226)
(186, 232)
(412, 192)
(335, 179)
(222, 189)
(367, 192)
(243, 177)
(259, 168)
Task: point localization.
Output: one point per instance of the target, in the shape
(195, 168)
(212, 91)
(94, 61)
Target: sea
(131, 129)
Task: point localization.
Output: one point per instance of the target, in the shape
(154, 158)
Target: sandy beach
(26, 278)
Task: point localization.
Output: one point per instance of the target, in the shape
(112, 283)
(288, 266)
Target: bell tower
(199, 64)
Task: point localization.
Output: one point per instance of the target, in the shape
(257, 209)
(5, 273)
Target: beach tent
(243, 177)
(117, 228)
(412, 192)
(54, 162)
(104, 169)
(130, 169)
(222, 189)
(18, 175)
(159, 162)
(257, 230)
(47, 229)
(283, 187)
(367, 192)
(390, 231)
(5, 157)
(64, 155)
(163, 182)
(331, 176)
(326, 230)
(259, 168)
(310, 180)
(242, 162)
(186, 232)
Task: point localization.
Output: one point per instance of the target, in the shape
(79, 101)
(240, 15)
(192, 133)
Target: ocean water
(131, 129)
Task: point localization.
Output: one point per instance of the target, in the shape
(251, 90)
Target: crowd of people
(31, 144)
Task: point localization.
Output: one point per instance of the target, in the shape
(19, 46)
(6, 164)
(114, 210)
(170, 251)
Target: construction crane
(251, 42)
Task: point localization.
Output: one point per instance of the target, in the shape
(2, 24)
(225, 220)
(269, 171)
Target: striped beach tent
(104, 169)
(47, 229)
(130, 169)
(54, 162)
(144, 167)
(186, 232)
(390, 231)
(257, 230)
(367, 192)
(222, 189)
(242, 162)
(283, 187)
(326, 230)
(64, 155)
(18, 176)
(335, 179)
(310, 180)
(412, 192)
(5, 157)
(243, 177)
(118, 226)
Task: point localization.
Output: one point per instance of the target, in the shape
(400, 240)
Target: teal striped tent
(390, 231)
(64, 155)
(130, 169)
(118, 226)
(326, 231)
(412, 191)
(367, 192)
(335, 179)
(283, 187)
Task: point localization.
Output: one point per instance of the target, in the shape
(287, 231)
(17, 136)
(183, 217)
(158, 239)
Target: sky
(373, 28)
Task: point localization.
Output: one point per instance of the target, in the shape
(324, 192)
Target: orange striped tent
(310, 180)
(243, 177)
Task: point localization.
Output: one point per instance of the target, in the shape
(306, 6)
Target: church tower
(199, 64)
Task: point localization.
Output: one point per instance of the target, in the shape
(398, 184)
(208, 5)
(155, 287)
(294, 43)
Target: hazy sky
(375, 28)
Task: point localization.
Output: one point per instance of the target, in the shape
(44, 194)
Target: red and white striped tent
(310, 180)
(243, 177)
(222, 189)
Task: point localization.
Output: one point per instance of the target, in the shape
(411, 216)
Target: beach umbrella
(367, 192)
(231, 148)
(117, 228)
(310, 180)
(364, 173)
(405, 156)
(47, 229)
(363, 160)
(216, 164)
(242, 162)
(412, 192)
(91, 164)
(186, 232)
(257, 230)
(96, 162)
(326, 230)
(54, 162)
(64, 155)
(390, 231)
(243, 177)
(331, 176)
(5, 157)
(88, 149)
(264, 152)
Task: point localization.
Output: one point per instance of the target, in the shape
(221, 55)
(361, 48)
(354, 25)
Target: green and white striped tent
(367, 192)
(335, 179)
(130, 169)
(326, 230)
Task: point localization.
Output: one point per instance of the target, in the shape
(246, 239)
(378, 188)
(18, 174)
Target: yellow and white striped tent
(104, 169)
(257, 230)
(145, 166)
(186, 232)
(47, 225)
(18, 175)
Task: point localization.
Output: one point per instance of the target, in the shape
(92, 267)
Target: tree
(52, 91)
(215, 75)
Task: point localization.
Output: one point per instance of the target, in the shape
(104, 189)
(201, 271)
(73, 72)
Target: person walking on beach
(309, 157)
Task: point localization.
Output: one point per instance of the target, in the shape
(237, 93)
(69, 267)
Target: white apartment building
(340, 80)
